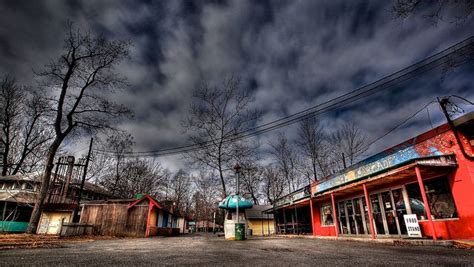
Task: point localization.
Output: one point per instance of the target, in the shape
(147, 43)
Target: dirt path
(208, 250)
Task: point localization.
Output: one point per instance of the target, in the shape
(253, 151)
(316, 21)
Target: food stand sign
(413, 227)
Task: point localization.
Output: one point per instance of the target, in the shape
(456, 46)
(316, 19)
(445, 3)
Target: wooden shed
(142, 217)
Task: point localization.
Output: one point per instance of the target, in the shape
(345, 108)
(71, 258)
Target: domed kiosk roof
(230, 203)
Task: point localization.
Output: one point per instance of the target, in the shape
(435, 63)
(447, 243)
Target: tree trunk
(5, 159)
(43, 193)
(221, 175)
(314, 171)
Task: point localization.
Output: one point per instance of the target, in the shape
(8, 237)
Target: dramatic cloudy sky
(290, 54)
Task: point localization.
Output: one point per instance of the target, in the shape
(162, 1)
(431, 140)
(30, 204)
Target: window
(439, 197)
(326, 215)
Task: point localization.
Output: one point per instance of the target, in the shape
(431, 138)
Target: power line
(400, 76)
(398, 125)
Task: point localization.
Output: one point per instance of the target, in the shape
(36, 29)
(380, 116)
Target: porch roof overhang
(429, 167)
(298, 203)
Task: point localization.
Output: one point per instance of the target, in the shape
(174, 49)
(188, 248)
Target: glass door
(359, 217)
(366, 215)
(342, 218)
(400, 209)
(350, 217)
(389, 212)
(388, 209)
(377, 214)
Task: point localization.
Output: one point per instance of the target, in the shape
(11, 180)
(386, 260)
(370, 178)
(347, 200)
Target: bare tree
(287, 161)
(83, 76)
(205, 196)
(35, 135)
(312, 141)
(119, 143)
(273, 183)
(24, 133)
(349, 142)
(141, 176)
(451, 11)
(251, 181)
(11, 98)
(180, 192)
(216, 116)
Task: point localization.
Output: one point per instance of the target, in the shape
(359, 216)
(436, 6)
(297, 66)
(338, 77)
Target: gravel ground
(211, 250)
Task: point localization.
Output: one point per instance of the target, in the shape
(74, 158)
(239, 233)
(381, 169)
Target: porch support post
(147, 232)
(369, 211)
(296, 226)
(312, 215)
(335, 214)
(425, 200)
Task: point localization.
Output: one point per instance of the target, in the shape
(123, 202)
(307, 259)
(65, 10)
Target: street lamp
(237, 172)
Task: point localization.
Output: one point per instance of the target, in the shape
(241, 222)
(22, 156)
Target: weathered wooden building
(139, 217)
(18, 194)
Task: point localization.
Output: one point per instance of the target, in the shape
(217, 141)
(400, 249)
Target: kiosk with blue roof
(235, 223)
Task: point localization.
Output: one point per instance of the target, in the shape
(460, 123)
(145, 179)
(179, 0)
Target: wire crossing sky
(458, 54)
(290, 55)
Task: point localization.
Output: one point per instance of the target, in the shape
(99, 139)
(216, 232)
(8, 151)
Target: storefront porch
(293, 213)
(375, 206)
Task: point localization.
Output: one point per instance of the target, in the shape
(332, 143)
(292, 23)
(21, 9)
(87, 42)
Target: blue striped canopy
(230, 203)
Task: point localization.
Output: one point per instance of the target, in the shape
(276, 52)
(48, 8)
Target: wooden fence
(115, 219)
(75, 229)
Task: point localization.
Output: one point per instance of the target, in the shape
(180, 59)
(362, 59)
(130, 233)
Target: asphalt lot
(210, 250)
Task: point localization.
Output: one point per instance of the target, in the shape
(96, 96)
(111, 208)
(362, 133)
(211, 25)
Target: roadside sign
(413, 227)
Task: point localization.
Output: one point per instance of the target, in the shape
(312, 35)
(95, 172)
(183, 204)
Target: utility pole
(79, 197)
(442, 103)
(343, 160)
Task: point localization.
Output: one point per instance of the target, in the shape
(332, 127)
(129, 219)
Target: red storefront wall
(319, 230)
(461, 181)
(462, 187)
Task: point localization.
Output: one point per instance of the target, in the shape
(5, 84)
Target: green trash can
(239, 231)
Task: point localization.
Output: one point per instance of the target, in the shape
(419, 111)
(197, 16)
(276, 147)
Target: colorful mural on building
(416, 148)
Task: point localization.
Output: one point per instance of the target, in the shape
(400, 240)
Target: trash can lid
(230, 203)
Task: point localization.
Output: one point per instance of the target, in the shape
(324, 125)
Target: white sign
(413, 227)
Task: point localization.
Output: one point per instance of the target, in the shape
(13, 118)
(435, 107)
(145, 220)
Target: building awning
(429, 166)
(18, 196)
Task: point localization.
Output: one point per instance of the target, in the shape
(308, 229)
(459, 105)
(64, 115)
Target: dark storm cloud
(290, 54)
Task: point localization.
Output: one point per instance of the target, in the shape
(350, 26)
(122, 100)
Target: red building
(431, 175)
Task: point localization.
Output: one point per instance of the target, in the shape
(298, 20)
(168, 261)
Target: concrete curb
(390, 241)
(463, 244)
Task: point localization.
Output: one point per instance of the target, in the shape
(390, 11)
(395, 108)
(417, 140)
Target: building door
(401, 209)
(350, 217)
(390, 213)
(378, 215)
(366, 215)
(388, 208)
(359, 217)
(343, 229)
